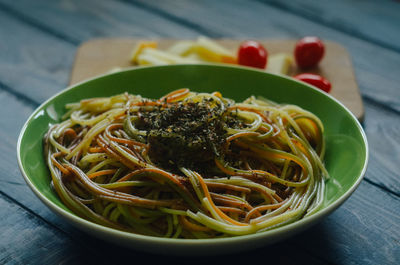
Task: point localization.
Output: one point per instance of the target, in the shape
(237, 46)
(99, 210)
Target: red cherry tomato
(252, 53)
(309, 52)
(315, 80)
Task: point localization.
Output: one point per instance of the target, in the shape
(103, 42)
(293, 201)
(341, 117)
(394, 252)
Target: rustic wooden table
(38, 41)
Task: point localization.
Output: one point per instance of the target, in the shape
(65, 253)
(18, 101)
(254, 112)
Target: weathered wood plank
(250, 19)
(373, 21)
(33, 64)
(382, 128)
(82, 20)
(45, 60)
(354, 234)
(26, 239)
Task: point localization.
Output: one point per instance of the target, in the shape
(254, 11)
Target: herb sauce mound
(189, 134)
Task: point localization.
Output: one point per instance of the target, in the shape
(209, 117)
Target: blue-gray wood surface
(38, 40)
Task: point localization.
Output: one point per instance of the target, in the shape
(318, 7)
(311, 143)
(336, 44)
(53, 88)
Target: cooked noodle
(188, 165)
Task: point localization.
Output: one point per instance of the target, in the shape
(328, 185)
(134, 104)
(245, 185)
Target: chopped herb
(187, 134)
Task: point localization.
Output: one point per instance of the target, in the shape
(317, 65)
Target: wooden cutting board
(100, 56)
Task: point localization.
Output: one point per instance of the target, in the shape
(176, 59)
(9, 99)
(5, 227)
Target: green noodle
(188, 165)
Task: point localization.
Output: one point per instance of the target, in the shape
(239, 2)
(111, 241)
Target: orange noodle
(187, 165)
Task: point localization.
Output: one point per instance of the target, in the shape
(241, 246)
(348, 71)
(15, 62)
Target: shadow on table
(309, 247)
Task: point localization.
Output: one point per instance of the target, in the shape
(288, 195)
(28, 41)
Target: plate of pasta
(186, 158)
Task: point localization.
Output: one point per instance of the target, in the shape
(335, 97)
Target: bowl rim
(88, 225)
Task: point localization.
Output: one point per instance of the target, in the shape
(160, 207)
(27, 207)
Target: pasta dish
(187, 165)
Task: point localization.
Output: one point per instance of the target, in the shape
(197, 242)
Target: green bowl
(346, 150)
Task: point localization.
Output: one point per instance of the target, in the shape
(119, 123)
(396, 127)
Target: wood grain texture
(99, 56)
(359, 230)
(22, 232)
(39, 54)
(375, 67)
(373, 21)
(79, 21)
(382, 128)
(33, 63)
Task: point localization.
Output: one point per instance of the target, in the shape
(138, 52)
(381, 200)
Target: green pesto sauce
(187, 134)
